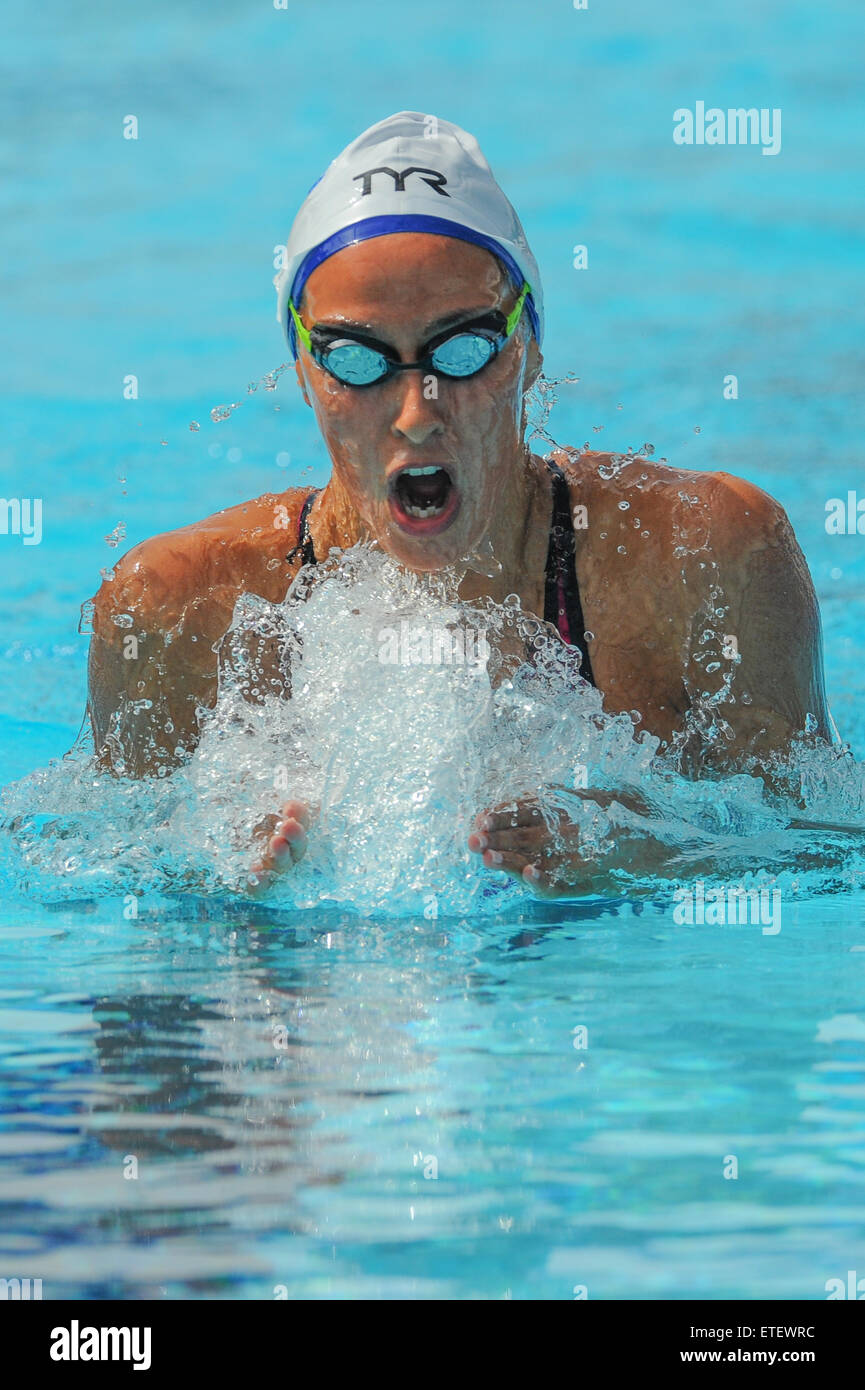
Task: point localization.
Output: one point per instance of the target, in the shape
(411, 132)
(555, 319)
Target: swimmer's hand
(552, 864)
(284, 845)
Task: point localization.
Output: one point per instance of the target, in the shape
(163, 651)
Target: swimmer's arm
(151, 662)
(772, 623)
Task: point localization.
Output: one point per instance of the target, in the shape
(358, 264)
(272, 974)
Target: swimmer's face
(402, 290)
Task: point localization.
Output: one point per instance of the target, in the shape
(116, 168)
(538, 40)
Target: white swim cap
(409, 173)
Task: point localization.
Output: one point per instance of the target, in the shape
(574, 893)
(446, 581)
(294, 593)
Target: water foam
(410, 713)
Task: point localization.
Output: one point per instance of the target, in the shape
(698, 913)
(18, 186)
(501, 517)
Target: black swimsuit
(562, 606)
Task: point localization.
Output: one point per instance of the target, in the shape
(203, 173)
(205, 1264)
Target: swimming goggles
(459, 352)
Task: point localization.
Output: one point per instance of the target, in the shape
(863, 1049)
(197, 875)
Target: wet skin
(704, 540)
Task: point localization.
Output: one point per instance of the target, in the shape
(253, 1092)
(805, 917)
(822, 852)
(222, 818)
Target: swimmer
(414, 309)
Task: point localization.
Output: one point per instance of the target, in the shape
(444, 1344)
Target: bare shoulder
(238, 548)
(677, 502)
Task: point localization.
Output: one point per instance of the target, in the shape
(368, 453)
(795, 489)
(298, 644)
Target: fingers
(518, 866)
(520, 829)
(529, 841)
(284, 847)
(515, 840)
(511, 864)
(300, 811)
(510, 817)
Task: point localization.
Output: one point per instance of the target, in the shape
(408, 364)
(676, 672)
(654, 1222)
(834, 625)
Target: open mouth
(423, 499)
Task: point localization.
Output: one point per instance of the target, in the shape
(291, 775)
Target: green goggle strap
(513, 317)
(511, 322)
(302, 333)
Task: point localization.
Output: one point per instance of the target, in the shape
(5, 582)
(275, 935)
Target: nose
(416, 418)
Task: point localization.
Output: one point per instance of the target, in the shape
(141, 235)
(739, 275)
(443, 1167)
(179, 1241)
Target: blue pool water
(394, 1105)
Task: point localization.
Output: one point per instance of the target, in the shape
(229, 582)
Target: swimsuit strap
(562, 605)
(304, 539)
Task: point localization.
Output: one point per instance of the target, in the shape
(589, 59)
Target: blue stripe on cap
(387, 223)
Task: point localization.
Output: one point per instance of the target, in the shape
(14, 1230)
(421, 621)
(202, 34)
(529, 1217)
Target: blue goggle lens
(463, 355)
(355, 363)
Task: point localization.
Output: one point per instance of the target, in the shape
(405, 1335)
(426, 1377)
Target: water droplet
(122, 620)
(811, 724)
(746, 698)
(697, 429)
(597, 428)
(613, 466)
(713, 666)
(116, 536)
(194, 425)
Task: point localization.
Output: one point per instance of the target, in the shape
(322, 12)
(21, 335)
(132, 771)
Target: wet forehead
(407, 282)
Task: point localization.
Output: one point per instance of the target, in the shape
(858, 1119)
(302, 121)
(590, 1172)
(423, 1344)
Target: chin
(419, 557)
